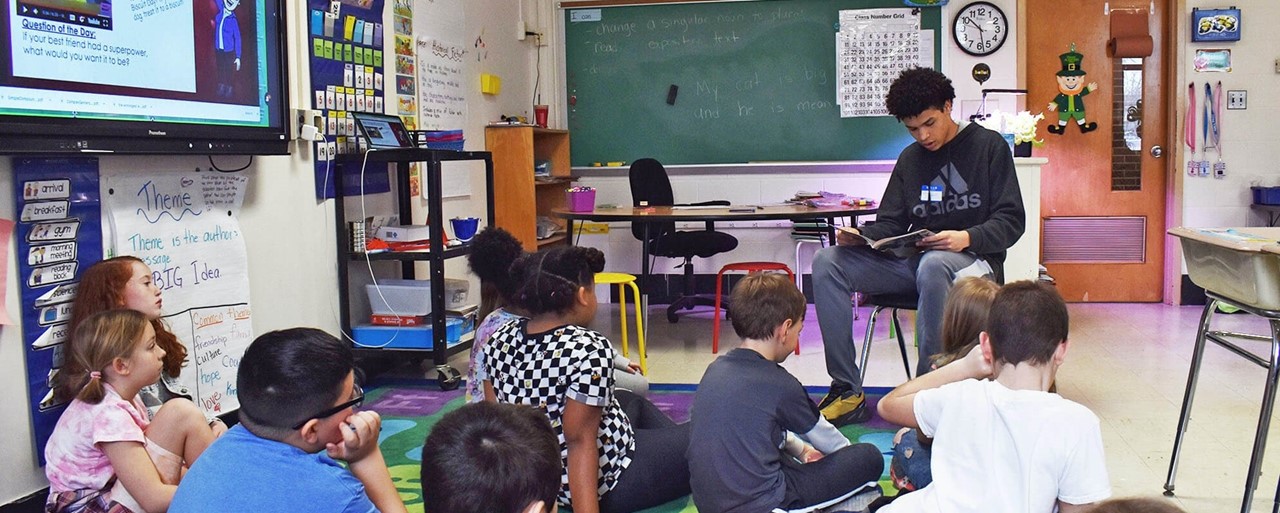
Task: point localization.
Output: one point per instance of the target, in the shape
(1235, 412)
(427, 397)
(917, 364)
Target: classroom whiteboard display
(184, 226)
(754, 81)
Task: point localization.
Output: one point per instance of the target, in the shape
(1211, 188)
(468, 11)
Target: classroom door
(1103, 190)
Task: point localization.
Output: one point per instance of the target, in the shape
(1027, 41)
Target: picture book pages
(901, 246)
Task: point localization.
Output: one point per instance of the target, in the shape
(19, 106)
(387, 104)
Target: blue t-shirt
(242, 472)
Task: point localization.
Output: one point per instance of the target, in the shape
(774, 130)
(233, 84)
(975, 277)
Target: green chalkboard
(756, 81)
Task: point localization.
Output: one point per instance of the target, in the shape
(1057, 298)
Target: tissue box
(402, 232)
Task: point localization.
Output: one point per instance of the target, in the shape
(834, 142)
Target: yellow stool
(624, 280)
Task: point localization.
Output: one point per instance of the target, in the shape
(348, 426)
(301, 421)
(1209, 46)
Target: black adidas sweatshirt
(979, 193)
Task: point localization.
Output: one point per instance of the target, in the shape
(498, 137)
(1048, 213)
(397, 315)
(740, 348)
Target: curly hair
(918, 89)
(102, 288)
(548, 280)
(493, 250)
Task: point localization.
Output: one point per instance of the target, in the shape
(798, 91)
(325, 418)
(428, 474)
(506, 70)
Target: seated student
(963, 319)
(493, 250)
(747, 406)
(1005, 444)
(297, 392)
(106, 453)
(620, 452)
(491, 458)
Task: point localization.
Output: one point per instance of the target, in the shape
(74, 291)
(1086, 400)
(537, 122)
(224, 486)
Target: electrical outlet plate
(1237, 100)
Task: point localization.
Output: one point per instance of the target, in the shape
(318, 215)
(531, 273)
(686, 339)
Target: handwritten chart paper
(872, 47)
(441, 99)
(184, 227)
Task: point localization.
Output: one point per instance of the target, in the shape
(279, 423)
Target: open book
(901, 246)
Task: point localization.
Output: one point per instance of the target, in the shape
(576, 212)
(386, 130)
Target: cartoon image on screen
(226, 46)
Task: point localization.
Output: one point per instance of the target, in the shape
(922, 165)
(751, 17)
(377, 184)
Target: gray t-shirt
(743, 405)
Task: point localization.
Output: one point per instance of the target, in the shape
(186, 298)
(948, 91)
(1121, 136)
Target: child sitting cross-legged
(493, 251)
(1004, 445)
(106, 453)
(620, 452)
(744, 454)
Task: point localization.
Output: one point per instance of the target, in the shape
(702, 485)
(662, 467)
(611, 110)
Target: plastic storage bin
(581, 201)
(403, 297)
(405, 337)
(1266, 195)
(1241, 270)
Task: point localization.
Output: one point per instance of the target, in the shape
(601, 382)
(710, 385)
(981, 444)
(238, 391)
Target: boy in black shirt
(958, 182)
(744, 454)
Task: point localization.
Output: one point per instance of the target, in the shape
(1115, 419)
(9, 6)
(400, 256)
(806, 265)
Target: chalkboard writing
(756, 81)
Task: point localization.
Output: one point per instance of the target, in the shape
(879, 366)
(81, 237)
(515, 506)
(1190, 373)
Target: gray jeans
(839, 271)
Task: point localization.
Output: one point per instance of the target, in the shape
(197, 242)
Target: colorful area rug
(410, 408)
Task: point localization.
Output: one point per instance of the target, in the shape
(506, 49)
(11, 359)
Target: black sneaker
(849, 409)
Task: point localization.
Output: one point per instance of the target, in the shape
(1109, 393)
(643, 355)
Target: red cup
(540, 115)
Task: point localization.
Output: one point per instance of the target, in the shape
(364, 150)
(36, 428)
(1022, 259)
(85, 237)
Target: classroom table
(709, 215)
(1238, 267)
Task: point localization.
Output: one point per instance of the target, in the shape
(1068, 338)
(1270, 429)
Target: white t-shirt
(997, 450)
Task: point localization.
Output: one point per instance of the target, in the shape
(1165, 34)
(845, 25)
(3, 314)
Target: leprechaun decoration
(1071, 90)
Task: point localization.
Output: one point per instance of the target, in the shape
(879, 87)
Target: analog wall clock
(980, 28)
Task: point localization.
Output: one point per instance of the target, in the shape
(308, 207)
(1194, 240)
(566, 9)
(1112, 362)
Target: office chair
(649, 183)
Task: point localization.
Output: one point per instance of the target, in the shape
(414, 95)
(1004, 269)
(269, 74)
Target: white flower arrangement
(1023, 127)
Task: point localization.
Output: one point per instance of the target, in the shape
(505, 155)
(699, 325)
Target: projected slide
(147, 44)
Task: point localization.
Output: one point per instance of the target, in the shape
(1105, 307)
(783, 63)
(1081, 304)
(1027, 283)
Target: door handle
(1157, 151)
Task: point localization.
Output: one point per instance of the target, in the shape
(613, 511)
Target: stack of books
(810, 229)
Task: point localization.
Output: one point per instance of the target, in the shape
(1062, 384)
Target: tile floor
(1127, 362)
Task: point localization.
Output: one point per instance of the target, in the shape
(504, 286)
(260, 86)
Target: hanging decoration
(1069, 104)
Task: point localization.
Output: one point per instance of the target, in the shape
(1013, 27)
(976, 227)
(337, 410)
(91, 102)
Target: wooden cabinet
(519, 196)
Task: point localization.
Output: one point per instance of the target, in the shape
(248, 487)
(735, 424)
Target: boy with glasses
(297, 394)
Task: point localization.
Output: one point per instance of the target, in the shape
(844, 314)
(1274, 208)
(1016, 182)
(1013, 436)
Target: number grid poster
(58, 235)
(346, 59)
(873, 46)
(184, 226)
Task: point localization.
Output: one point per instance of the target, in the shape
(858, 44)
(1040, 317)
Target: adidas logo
(955, 194)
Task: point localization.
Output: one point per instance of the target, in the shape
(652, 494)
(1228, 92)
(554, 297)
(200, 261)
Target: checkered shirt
(546, 370)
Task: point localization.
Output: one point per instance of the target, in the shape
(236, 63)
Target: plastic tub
(405, 337)
(403, 297)
(581, 201)
(1266, 195)
(1241, 264)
